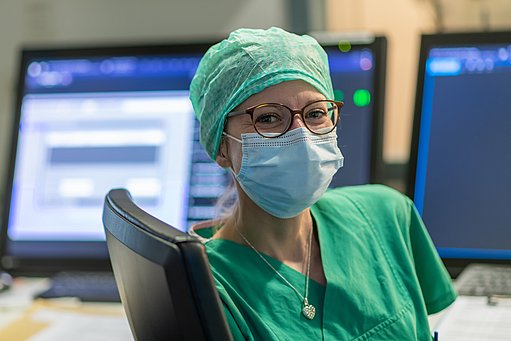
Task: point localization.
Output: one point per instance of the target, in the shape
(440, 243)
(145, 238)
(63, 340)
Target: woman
(292, 260)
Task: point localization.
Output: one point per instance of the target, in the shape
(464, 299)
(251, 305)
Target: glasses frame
(250, 111)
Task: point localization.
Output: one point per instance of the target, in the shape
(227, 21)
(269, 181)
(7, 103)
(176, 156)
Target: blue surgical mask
(289, 173)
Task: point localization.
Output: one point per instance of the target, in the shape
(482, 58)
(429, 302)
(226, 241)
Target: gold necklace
(308, 310)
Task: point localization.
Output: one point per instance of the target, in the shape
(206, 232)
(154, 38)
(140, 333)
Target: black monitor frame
(47, 266)
(429, 41)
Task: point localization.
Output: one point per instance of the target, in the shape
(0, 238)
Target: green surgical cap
(246, 63)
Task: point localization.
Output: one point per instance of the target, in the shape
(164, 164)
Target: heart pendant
(308, 310)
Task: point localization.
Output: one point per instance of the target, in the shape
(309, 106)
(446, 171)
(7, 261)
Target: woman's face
(294, 94)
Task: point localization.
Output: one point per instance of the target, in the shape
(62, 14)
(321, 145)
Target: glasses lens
(321, 117)
(270, 119)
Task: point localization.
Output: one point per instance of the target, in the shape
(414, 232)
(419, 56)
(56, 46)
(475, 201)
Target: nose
(297, 121)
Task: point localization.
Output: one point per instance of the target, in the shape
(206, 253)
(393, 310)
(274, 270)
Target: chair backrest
(163, 275)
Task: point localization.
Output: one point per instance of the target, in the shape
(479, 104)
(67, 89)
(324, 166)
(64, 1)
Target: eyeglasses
(274, 119)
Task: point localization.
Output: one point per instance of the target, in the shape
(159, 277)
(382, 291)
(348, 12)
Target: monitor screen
(89, 120)
(460, 176)
(92, 119)
(357, 68)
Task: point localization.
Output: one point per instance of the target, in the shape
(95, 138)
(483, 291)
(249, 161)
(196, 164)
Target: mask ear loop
(227, 145)
(224, 134)
(231, 137)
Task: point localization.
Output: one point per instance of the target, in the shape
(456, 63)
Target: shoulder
(365, 191)
(368, 198)
(376, 207)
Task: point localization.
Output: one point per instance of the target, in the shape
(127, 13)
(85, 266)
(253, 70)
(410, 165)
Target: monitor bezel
(429, 41)
(378, 46)
(46, 266)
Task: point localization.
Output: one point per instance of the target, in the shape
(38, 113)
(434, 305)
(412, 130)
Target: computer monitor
(460, 163)
(358, 69)
(91, 119)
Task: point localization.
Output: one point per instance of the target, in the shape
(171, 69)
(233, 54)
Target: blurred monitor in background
(358, 69)
(91, 119)
(460, 163)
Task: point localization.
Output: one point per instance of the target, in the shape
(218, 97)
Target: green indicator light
(344, 45)
(338, 95)
(362, 97)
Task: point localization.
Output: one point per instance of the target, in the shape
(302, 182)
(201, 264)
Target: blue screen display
(463, 173)
(353, 78)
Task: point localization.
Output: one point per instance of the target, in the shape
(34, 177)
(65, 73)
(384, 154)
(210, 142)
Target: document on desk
(50, 321)
(471, 319)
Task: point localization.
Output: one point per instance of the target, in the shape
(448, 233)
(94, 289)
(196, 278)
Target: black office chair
(163, 276)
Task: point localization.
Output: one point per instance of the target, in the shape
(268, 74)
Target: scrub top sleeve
(435, 282)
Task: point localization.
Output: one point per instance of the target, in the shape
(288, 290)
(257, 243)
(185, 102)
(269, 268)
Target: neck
(283, 239)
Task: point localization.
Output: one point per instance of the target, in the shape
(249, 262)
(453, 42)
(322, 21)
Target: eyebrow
(322, 98)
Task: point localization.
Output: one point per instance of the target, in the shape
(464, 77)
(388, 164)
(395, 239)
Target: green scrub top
(383, 275)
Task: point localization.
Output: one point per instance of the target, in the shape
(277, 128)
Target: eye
(269, 115)
(267, 118)
(315, 114)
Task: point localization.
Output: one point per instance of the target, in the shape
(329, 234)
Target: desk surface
(22, 318)
(471, 318)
